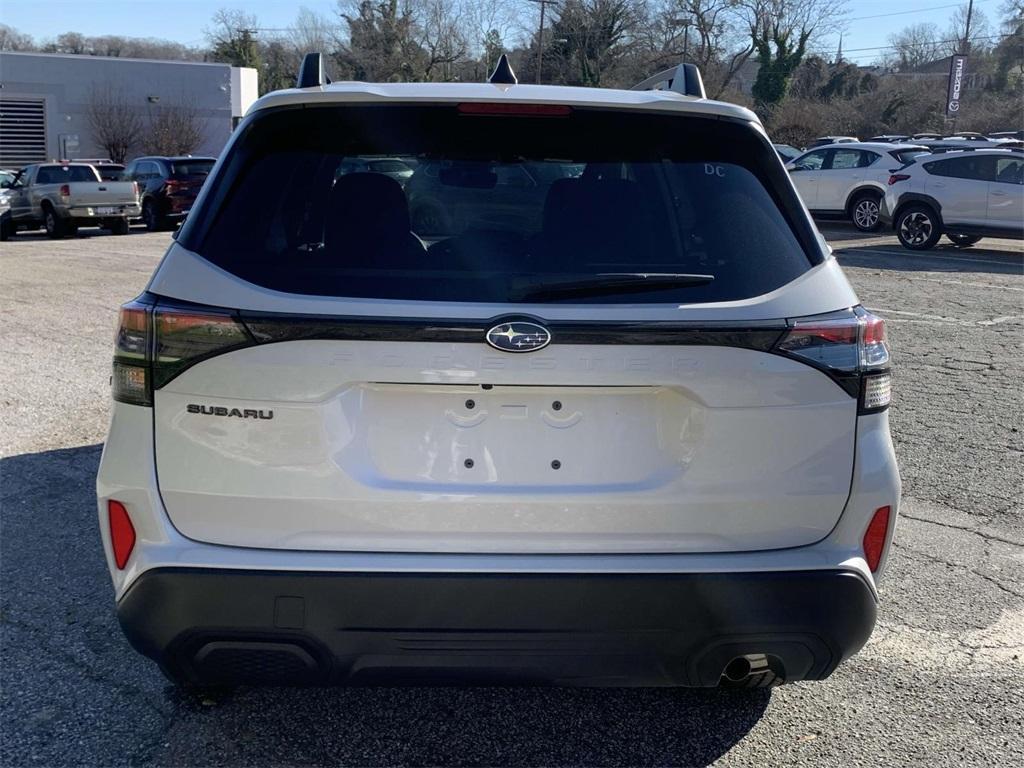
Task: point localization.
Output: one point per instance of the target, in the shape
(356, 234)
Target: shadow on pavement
(72, 692)
(939, 259)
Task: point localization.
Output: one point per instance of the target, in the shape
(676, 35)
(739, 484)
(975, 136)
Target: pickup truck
(64, 196)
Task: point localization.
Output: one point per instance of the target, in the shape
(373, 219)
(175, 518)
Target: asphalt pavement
(939, 684)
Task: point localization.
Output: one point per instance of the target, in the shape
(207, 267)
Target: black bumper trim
(298, 628)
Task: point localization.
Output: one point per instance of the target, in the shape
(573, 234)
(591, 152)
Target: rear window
(495, 202)
(389, 166)
(909, 155)
(64, 174)
(191, 167)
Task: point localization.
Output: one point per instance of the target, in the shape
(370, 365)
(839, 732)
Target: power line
(916, 10)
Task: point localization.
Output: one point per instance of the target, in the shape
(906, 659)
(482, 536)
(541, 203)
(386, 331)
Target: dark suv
(167, 186)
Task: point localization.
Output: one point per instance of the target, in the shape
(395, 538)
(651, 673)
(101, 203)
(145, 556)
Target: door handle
(998, 194)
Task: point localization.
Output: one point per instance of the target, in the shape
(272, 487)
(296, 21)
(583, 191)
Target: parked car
(921, 136)
(107, 169)
(629, 429)
(392, 167)
(821, 141)
(168, 187)
(1011, 135)
(890, 138)
(787, 152)
(447, 196)
(849, 180)
(963, 195)
(65, 196)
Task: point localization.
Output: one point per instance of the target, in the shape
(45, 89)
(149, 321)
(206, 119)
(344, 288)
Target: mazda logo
(518, 336)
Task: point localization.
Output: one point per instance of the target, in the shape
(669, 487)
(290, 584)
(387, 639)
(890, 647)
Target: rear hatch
(185, 180)
(584, 347)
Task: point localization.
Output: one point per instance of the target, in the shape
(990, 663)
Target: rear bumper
(87, 212)
(320, 628)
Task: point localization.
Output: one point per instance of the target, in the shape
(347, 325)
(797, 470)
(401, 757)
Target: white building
(45, 98)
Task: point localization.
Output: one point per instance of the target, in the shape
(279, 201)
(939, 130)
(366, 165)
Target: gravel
(940, 683)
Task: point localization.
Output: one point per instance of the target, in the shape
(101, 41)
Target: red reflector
(65, 190)
(530, 110)
(874, 329)
(898, 177)
(122, 533)
(874, 537)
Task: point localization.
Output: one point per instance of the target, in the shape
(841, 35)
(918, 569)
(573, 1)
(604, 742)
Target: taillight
(874, 537)
(65, 190)
(896, 177)
(122, 533)
(155, 343)
(849, 346)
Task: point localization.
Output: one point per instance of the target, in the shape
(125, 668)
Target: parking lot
(940, 683)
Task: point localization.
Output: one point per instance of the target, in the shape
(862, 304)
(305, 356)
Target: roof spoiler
(684, 79)
(311, 72)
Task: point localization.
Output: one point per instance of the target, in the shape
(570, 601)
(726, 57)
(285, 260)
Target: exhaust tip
(737, 670)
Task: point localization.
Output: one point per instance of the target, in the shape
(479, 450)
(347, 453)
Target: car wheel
(917, 228)
(151, 217)
(52, 224)
(864, 212)
(119, 226)
(6, 228)
(963, 241)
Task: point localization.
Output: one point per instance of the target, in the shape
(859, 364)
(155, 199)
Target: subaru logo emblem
(518, 336)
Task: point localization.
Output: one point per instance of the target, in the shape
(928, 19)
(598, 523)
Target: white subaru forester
(586, 400)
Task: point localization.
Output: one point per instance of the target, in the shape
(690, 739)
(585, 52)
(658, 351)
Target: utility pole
(967, 29)
(540, 34)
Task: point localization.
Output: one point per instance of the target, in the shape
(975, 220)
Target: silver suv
(966, 195)
(847, 180)
(585, 426)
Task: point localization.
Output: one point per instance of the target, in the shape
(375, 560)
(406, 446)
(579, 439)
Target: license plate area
(504, 439)
(106, 210)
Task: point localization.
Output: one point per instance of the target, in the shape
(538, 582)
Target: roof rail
(684, 79)
(311, 72)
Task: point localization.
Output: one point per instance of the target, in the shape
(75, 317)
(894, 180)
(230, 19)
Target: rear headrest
(365, 205)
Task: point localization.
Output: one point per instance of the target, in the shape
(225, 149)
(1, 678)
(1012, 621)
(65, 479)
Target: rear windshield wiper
(607, 283)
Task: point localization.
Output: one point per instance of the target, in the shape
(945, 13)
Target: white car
(612, 434)
(848, 180)
(966, 195)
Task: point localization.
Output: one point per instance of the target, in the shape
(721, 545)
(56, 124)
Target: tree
(116, 124)
(960, 39)
(780, 31)
(233, 38)
(173, 130)
(589, 37)
(13, 40)
(381, 43)
(708, 33)
(441, 38)
(915, 45)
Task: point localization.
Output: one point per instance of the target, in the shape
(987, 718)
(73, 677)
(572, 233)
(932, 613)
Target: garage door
(22, 132)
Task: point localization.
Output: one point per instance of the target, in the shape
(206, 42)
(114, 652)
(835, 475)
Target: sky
(870, 22)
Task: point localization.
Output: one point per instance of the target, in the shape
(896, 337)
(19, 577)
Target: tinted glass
(64, 174)
(906, 155)
(191, 167)
(496, 201)
(844, 159)
(389, 166)
(812, 161)
(1010, 170)
(973, 168)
